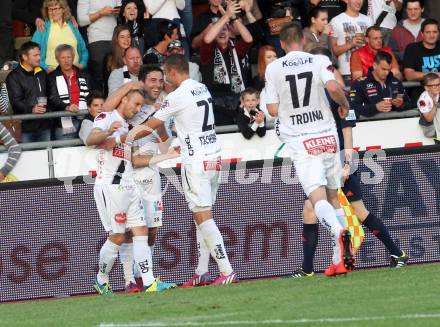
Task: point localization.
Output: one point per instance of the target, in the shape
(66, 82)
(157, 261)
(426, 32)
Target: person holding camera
(251, 119)
(221, 64)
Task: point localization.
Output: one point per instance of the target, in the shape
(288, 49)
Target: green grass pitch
(381, 297)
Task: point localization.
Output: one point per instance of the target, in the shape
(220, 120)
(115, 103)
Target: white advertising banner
(32, 165)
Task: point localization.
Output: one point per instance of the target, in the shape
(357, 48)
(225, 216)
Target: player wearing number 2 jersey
(191, 106)
(295, 92)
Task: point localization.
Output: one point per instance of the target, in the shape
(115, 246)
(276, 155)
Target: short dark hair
(429, 77)
(177, 62)
(372, 28)
(314, 13)
(321, 51)
(421, 2)
(94, 94)
(291, 33)
(428, 21)
(26, 47)
(250, 91)
(146, 69)
(383, 56)
(165, 27)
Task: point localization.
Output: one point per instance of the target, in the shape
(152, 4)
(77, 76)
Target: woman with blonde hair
(59, 30)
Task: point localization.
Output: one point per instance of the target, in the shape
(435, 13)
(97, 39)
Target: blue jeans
(40, 136)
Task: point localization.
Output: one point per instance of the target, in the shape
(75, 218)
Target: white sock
(126, 258)
(142, 258)
(327, 217)
(203, 253)
(107, 257)
(340, 214)
(214, 241)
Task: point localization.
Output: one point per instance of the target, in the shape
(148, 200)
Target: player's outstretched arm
(142, 130)
(97, 135)
(272, 108)
(115, 98)
(140, 160)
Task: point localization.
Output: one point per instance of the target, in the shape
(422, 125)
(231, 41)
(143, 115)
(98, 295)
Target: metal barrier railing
(218, 129)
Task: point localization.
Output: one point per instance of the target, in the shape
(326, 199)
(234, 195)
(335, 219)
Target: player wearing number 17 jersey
(295, 91)
(191, 106)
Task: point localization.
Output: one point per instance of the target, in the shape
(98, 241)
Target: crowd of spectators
(94, 47)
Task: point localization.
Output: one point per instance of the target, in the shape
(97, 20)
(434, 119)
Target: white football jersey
(114, 166)
(297, 83)
(191, 106)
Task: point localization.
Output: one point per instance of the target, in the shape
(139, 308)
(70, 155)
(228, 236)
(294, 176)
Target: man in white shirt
(296, 87)
(117, 198)
(383, 15)
(128, 73)
(100, 17)
(191, 106)
(349, 30)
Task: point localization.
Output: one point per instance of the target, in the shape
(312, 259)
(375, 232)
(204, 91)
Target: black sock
(379, 230)
(310, 241)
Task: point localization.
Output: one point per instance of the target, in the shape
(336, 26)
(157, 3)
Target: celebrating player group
(132, 136)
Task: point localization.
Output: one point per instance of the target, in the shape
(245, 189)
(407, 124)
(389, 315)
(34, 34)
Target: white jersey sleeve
(271, 91)
(103, 121)
(169, 108)
(425, 103)
(326, 70)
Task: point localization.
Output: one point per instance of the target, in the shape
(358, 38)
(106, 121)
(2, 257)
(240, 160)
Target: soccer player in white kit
(117, 197)
(145, 159)
(295, 92)
(191, 106)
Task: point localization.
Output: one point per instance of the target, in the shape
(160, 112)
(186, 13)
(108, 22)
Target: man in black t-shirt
(421, 58)
(204, 20)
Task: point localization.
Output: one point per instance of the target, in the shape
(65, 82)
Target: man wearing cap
(176, 47)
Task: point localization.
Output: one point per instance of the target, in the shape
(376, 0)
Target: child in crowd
(251, 119)
(95, 101)
(428, 102)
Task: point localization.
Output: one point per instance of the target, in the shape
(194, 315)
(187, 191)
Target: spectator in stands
(428, 105)
(318, 32)
(176, 47)
(407, 30)
(380, 91)
(29, 12)
(14, 151)
(187, 20)
(250, 118)
(67, 88)
(95, 101)
(4, 99)
(132, 14)
(59, 30)
(167, 32)
(266, 55)
(7, 47)
(383, 14)
(348, 33)
(421, 58)
(333, 7)
(121, 41)
(100, 16)
(27, 93)
(204, 21)
(129, 72)
(362, 59)
(165, 10)
(220, 63)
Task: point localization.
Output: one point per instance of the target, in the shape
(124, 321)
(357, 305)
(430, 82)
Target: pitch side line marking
(273, 322)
